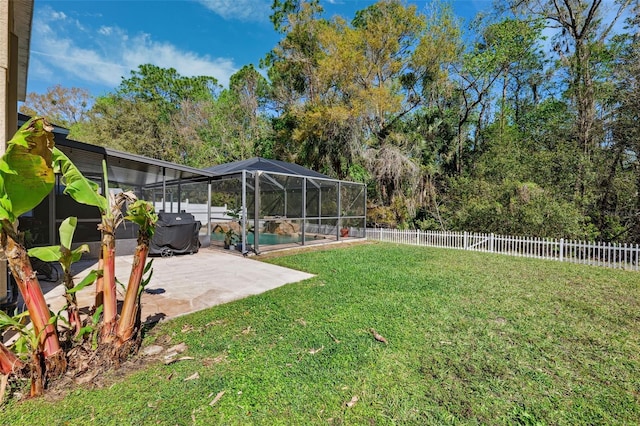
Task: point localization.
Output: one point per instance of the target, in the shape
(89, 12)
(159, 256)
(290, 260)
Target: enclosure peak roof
(265, 165)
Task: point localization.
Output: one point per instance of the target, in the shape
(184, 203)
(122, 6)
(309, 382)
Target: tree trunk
(20, 265)
(110, 312)
(31, 291)
(130, 307)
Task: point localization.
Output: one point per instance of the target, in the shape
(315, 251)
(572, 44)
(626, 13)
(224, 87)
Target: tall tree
(62, 106)
(620, 200)
(140, 116)
(345, 88)
(581, 29)
(165, 87)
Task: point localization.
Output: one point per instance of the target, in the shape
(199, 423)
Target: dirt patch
(89, 369)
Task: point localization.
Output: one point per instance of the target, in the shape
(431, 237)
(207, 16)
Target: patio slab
(188, 283)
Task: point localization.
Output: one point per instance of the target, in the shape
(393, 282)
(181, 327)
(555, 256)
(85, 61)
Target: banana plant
(143, 214)
(115, 329)
(66, 257)
(28, 345)
(112, 217)
(26, 177)
(9, 362)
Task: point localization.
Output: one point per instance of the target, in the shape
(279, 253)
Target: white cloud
(58, 16)
(241, 10)
(65, 50)
(106, 31)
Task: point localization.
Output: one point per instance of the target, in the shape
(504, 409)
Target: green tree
(619, 202)
(580, 39)
(345, 89)
(165, 88)
(230, 128)
(147, 114)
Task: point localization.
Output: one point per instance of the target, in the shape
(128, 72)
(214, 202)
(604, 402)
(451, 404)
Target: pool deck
(183, 284)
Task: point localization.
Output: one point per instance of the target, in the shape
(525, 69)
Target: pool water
(264, 239)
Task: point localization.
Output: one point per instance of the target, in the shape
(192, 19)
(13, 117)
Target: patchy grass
(472, 339)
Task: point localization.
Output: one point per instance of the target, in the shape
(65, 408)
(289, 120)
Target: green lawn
(473, 338)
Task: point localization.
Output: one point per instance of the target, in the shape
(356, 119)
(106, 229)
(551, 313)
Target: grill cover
(176, 233)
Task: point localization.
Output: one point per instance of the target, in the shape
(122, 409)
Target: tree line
(524, 122)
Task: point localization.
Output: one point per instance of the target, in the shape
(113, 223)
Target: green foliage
(230, 237)
(358, 173)
(165, 88)
(88, 280)
(473, 338)
(516, 208)
(26, 170)
(27, 341)
(91, 328)
(143, 214)
(77, 186)
(62, 253)
(408, 101)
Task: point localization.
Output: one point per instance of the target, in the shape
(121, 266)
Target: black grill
(176, 233)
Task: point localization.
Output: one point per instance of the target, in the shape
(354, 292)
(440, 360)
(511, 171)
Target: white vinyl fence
(611, 255)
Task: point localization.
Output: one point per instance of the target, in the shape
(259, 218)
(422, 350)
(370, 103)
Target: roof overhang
(128, 168)
(123, 167)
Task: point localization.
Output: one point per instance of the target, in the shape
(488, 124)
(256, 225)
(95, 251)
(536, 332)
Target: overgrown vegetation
(472, 338)
(524, 121)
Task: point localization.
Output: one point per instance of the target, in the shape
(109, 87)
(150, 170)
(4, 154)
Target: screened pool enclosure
(253, 203)
(268, 202)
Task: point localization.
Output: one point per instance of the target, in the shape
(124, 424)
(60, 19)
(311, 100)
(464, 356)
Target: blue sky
(92, 44)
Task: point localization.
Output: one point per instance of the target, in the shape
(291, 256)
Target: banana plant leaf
(26, 169)
(63, 252)
(77, 186)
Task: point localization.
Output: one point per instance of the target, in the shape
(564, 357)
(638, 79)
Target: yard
(472, 338)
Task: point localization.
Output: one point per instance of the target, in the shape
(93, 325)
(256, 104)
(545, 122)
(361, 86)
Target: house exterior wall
(8, 106)
(15, 18)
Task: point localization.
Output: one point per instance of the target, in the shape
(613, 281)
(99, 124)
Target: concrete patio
(188, 283)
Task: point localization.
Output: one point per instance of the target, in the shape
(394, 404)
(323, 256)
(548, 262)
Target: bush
(517, 208)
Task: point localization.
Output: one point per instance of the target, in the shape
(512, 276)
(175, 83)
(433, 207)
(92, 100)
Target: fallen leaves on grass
(179, 348)
(187, 328)
(217, 398)
(353, 401)
(207, 362)
(172, 360)
(333, 337)
(194, 376)
(152, 350)
(173, 352)
(378, 336)
(313, 351)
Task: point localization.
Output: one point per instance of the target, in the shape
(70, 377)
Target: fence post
(491, 243)
(465, 242)
(561, 249)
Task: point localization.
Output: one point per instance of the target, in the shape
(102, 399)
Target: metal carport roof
(123, 167)
(265, 165)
